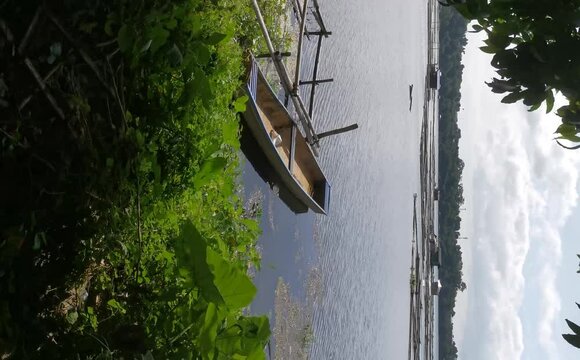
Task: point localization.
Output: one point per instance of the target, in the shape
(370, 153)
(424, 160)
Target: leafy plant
(122, 233)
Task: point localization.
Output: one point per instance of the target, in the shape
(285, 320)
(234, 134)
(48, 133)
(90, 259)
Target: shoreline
(422, 311)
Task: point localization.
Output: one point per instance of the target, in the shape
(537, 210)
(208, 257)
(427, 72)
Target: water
(377, 49)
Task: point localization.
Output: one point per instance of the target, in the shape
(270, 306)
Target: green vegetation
(293, 331)
(452, 42)
(122, 232)
(307, 338)
(536, 48)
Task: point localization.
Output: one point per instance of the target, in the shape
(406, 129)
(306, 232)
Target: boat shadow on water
(265, 170)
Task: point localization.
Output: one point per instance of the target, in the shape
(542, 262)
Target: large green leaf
(230, 131)
(235, 287)
(209, 169)
(191, 251)
(195, 23)
(215, 38)
(202, 53)
(245, 339)
(566, 129)
(208, 331)
(219, 281)
(158, 36)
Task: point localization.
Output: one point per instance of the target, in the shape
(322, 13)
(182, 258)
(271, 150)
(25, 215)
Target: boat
(434, 77)
(286, 149)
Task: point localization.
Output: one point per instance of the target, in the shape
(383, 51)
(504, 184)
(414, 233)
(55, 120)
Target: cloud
(555, 172)
(524, 189)
(501, 238)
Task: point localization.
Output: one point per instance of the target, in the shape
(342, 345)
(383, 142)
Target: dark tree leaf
(125, 38)
(549, 101)
(566, 129)
(463, 10)
(477, 28)
(158, 36)
(573, 340)
(215, 38)
(511, 98)
(535, 107)
(489, 49)
(175, 56)
(569, 148)
(573, 327)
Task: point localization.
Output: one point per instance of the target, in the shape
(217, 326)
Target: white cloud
(556, 174)
(523, 191)
(501, 237)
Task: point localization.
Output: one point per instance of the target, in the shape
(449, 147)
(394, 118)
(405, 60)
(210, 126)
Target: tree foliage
(119, 161)
(452, 42)
(536, 48)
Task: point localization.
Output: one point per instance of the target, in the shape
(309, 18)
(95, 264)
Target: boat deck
(276, 118)
(284, 152)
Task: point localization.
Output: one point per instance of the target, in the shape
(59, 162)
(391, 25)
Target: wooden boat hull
(293, 161)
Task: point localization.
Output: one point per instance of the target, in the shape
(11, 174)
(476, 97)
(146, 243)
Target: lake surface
(362, 248)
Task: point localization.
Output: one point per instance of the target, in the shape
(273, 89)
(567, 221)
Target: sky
(520, 219)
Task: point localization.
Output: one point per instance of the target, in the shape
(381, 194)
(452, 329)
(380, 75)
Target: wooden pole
(264, 28)
(299, 14)
(266, 55)
(316, 82)
(338, 131)
(319, 19)
(314, 74)
(325, 33)
(298, 9)
(299, 51)
(286, 82)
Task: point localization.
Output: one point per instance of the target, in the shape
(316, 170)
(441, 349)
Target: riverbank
(122, 231)
(423, 312)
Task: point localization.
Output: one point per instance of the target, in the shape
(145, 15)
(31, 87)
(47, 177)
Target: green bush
(122, 233)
